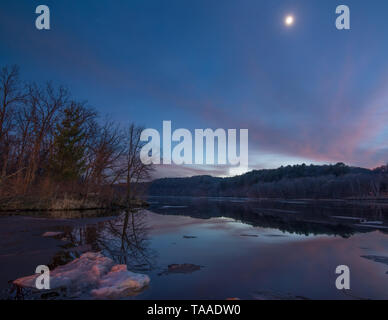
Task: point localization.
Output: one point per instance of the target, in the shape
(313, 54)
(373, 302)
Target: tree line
(54, 147)
(298, 181)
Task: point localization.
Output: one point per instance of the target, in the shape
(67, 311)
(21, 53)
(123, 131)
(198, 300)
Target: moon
(289, 20)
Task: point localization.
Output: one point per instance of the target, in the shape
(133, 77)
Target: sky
(307, 93)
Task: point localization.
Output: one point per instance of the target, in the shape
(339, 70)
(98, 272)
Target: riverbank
(64, 204)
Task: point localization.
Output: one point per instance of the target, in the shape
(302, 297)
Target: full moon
(289, 20)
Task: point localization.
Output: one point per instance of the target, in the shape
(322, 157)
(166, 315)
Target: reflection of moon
(289, 20)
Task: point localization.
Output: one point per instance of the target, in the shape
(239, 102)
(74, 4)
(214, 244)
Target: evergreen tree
(67, 161)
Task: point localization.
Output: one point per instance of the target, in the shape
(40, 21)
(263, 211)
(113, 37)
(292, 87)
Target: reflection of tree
(123, 239)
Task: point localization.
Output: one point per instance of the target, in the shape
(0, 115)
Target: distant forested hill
(299, 181)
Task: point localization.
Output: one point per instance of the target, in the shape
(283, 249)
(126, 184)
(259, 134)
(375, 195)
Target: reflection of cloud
(305, 268)
(295, 264)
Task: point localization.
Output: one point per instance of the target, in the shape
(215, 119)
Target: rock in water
(92, 274)
(181, 268)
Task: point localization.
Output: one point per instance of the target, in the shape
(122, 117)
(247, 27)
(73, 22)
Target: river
(214, 248)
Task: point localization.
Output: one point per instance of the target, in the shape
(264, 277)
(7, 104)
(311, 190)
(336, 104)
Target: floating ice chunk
(79, 274)
(372, 222)
(51, 234)
(174, 207)
(26, 282)
(92, 274)
(120, 282)
(379, 259)
(373, 226)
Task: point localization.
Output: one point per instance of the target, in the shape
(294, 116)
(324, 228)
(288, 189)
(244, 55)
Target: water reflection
(124, 239)
(237, 247)
(298, 217)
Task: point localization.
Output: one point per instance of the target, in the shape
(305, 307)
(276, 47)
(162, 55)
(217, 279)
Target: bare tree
(43, 106)
(133, 170)
(103, 153)
(10, 96)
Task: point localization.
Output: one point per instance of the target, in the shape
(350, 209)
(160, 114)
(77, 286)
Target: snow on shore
(93, 275)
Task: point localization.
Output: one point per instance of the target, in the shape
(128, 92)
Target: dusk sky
(307, 93)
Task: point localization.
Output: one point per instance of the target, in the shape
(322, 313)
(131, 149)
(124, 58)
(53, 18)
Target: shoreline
(380, 199)
(41, 207)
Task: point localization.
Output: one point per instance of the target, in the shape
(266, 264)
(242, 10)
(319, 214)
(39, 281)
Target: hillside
(298, 181)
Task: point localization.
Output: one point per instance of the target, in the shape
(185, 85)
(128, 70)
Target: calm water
(231, 247)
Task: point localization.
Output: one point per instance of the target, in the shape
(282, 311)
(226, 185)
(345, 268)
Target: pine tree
(67, 161)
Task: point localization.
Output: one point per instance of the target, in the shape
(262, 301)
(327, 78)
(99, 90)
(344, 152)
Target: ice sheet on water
(120, 282)
(93, 275)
